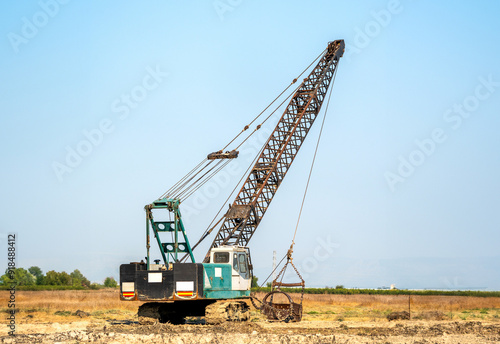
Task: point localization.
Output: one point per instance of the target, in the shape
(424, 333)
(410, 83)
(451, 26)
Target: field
(71, 316)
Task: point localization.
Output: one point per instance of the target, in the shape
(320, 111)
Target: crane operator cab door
(241, 274)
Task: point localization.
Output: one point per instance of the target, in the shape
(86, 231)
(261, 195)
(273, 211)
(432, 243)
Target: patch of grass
(62, 313)
(71, 300)
(104, 304)
(33, 310)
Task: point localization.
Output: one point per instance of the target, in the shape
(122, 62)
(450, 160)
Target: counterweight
(257, 192)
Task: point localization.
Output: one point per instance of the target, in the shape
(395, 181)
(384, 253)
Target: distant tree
(4, 279)
(339, 286)
(21, 277)
(254, 282)
(52, 278)
(78, 280)
(64, 278)
(269, 284)
(37, 272)
(110, 282)
(95, 286)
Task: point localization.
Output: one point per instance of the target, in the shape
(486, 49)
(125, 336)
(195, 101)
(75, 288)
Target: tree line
(340, 290)
(34, 276)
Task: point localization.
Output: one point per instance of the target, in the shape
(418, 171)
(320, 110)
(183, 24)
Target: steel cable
(293, 82)
(314, 158)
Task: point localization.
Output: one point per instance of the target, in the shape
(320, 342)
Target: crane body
(174, 289)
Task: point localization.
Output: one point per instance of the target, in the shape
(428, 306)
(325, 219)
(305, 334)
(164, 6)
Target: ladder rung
(281, 284)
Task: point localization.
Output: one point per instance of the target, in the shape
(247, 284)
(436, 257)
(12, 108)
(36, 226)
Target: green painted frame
(169, 250)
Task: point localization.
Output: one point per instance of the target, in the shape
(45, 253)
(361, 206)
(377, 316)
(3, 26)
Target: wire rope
(314, 159)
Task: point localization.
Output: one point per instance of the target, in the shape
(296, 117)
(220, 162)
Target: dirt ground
(327, 319)
(463, 332)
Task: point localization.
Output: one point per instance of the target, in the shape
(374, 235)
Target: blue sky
(405, 186)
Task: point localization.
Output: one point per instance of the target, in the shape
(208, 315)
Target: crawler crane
(176, 286)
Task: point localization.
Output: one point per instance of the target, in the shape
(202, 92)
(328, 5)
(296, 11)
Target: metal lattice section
(257, 192)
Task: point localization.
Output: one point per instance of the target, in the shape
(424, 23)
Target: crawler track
(222, 311)
(174, 313)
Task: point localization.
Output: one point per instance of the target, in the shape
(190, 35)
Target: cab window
(221, 257)
(243, 263)
(235, 262)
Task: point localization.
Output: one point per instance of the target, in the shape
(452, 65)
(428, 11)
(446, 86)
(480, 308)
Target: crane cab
(228, 273)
